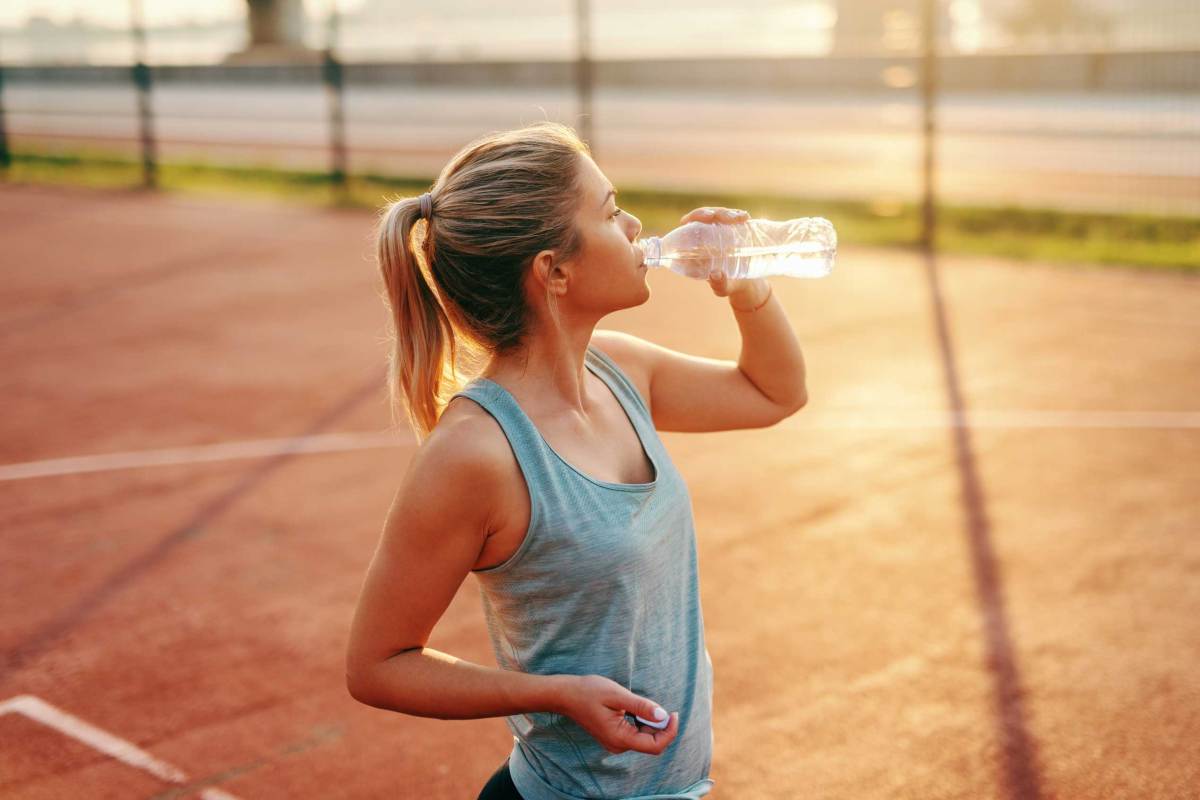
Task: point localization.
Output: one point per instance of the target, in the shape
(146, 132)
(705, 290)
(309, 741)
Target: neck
(548, 373)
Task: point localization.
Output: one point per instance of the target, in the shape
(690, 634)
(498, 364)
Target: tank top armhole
(535, 506)
(610, 367)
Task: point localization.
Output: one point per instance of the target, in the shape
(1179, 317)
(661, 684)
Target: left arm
(696, 394)
(770, 356)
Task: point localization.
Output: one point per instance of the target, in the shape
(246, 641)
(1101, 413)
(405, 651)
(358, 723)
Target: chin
(636, 299)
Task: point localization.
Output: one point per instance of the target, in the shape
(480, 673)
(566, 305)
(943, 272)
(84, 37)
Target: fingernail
(659, 714)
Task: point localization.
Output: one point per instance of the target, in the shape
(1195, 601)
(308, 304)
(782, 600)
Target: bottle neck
(652, 247)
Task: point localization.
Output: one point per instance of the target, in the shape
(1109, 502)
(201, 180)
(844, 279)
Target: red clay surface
(896, 606)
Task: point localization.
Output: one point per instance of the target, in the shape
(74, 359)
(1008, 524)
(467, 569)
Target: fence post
(583, 72)
(334, 79)
(5, 155)
(142, 82)
(929, 34)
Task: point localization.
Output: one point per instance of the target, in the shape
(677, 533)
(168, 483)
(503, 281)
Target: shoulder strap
(531, 450)
(616, 378)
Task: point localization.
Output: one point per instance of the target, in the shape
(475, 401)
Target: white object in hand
(659, 725)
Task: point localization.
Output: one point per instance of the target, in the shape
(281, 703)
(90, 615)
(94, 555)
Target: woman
(544, 475)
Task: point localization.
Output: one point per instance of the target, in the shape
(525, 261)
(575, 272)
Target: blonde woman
(544, 476)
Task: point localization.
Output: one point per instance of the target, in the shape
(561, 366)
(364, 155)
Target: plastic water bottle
(798, 248)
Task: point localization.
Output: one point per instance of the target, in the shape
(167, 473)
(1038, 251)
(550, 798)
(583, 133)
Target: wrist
(751, 296)
(559, 690)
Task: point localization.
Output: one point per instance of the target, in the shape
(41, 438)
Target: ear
(550, 272)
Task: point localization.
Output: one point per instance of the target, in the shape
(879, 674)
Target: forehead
(594, 178)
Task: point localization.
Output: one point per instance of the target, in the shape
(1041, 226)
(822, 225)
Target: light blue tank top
(606, 582)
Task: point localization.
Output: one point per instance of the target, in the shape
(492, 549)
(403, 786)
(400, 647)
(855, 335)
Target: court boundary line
(128, 753)
(368, 440)
(21, 654)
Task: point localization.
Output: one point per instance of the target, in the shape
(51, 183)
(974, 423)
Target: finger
(636, 706)
(649, 740)
(644, 707)
(713, 213)
(655, 730)
(716, 214)
(702, 213)
(671, 721)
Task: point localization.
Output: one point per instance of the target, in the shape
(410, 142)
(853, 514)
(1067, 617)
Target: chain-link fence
(1068, 105)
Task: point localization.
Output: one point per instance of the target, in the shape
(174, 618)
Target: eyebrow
(611, 192)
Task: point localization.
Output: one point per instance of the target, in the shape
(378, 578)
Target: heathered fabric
(606, 582)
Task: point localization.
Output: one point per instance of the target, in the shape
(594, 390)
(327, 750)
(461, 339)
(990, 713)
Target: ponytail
(419, 371)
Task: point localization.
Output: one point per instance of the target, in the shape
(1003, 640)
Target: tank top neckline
(637, 430)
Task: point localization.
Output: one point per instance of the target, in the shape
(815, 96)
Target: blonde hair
(498, 202)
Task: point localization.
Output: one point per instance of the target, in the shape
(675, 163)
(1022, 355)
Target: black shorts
(500, 786)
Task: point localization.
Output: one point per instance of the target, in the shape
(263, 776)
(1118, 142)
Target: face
(607, 274)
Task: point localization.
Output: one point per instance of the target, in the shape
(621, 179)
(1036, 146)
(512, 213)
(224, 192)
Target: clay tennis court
(969, 568)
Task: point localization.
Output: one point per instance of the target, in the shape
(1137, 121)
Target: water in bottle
(798, 248)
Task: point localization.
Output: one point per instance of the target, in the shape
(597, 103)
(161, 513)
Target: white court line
(1016, 419)
(831, 418)
(40, 711)
(225, 451)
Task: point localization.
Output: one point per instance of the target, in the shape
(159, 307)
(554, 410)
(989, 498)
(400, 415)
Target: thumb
(648, 709)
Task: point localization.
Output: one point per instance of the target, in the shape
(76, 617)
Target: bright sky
(115, 13)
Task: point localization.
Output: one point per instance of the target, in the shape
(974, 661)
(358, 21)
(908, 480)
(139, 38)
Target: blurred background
(1059, 128)
(968, 568)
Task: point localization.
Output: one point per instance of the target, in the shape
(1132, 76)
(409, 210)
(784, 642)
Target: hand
(599, 704)
(721, 285)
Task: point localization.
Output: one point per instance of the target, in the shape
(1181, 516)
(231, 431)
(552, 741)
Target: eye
(618, 211)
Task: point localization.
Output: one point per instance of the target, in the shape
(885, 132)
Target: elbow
(370, 694)
(797, 403)
(362, 683)
(783, 411)
(358, 688)
(378, 684)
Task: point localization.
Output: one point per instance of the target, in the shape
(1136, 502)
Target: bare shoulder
(467, 449)
(693, 394)
(467, 435)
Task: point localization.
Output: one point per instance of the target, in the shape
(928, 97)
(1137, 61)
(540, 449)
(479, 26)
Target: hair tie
(426, 206)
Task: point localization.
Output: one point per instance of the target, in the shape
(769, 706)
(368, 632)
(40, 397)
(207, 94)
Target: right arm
(433, 535)
(434, 532)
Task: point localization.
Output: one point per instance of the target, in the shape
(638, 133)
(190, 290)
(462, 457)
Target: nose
(637, 226)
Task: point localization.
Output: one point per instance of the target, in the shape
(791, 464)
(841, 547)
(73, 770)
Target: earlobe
(560, 279)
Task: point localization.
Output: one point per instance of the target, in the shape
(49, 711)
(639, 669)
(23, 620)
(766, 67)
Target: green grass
(1046, 235)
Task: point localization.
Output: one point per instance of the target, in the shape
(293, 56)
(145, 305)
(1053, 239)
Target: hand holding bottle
(718, 281)
(713, 239)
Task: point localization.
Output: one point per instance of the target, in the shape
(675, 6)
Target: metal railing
(930, 75)
(333, 77)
